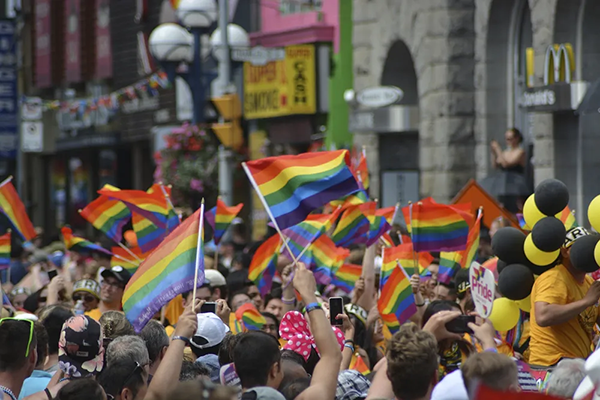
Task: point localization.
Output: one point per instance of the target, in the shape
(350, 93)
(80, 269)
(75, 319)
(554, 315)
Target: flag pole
(199, 251)
(124, 259)
(4, 182)
(169, 202)
(412, 229)
(264, 202)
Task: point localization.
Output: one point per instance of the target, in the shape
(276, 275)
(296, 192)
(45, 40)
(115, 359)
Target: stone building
(475, 68)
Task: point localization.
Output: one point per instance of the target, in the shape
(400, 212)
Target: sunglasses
(30, 330)
(85, 297)
(137, 368)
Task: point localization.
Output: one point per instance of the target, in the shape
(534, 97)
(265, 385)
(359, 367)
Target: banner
(284, 87)
(103, 47)
(73, 41)
(43, 69)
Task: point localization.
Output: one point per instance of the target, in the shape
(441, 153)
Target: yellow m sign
(559, 64)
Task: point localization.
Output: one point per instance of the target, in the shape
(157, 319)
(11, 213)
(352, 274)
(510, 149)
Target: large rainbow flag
(108, 216)
(396, 303)
(220, 217)
(80, 245)
(437, 227)
(294, 186)
(173, 219)
(264, 262)
(5, 251)
(168, 271)
(12, 206)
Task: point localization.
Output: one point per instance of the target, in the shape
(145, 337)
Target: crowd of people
(64, 336)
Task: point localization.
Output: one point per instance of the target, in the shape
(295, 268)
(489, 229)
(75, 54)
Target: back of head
(191, 371)
(81, 389)
(115, 324)
(495, 371)
(461, 281)
(412, 362)
(253, 356)
(127, 349)
(156, 339)
(53, 321)
(435, 307)
(293, 389)
(16, 333)
(566, 377)
(226, 349)
(42, 343)
(122, 374)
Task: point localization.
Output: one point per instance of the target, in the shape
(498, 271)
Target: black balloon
(538, 270)
(582, 253)
(500, 265)
(507, 244)
(551, 197)
(548, 234)
(515, 282)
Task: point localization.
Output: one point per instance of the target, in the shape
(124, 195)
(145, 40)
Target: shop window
(299, 6)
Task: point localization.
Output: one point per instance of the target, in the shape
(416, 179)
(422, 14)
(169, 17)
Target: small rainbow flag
(396, 303)
(80, 245)
(326, 258)
(12, 206)
(470, 253)
(567, 217)
(449, 265)
(152, 206)
(294, 186)
(361, 171)
(173, 219)
(359, 365)
(404, 254)
(5, 251)
(108, 216)
(124, 259)
(380, 224)
(345, 277)
(354, 225)
(437, 227)
(250, 317)
(355, 199)
(168, 271)
(522, 222)
(220, 217)
(149, 236)
(263, 265)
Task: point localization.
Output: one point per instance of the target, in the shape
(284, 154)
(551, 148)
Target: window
(299, 6)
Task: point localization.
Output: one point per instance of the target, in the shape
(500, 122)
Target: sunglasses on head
(27, 321)
(85, 297)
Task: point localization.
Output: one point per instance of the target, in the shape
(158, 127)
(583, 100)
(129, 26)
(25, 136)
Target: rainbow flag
(380, 224)
(405, 256)
(345, 277)
(263, 265)
(437, 227)
(108, 216)
(567, 217)
(449, 265)
(303, 234)
(359, 365)
(470, 253)
(168, 271)
(354, 225)
(522, 222)
(173, 219)
(326, 258)
(124, 259)
(355, 199)
(149, 236)
(12, 206)
(294, 186)
(152, 206)
(361, 171)
(5, 251)
(219, 218)
(396, 303)
(250, 317)
(79, 245)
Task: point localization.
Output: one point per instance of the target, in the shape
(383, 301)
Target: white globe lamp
(171, 42)
(197, 13)
(237, 38)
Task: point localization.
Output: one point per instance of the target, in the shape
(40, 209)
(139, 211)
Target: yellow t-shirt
(95, 314)
(174, 310)
(571, 339)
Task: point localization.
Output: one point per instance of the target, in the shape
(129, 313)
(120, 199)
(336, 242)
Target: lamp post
(180, 53)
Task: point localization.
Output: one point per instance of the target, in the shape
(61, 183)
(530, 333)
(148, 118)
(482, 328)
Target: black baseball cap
(117, 272)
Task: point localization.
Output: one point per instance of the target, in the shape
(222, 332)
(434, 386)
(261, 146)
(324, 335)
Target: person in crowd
(128, 349)
(274, 305)
(254, 294)
(444, 291)
(514, 157)
(565, 378)
(115, 324)
(226, 350)
(19, 359)
(271, 325)
(203, 293)
(238, 299)
(88, 291)
(53, 319)
(111, 291)
(157, 342)
(191, 370)
(18, 295)
(207, 341)
(37, 300)
(432, 282)
(217, 284)
(81, 348)
(292, 366)
(125, 379)
(81, 389)
(497, 224)
(564, 310)
(39, 378)
(463, 291)
(495, 371)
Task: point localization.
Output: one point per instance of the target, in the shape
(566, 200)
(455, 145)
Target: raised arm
(367, 299)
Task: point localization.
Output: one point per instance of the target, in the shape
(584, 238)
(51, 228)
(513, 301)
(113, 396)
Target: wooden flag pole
(199, 251)
(124, 259)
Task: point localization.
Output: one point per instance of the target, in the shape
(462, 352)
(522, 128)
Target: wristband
(311, 307)
(288, 302)
(349, 341)
(184, 339)
(492, 350)
(420, 305)
(349, 346)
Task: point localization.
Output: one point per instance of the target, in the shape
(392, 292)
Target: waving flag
(306, 232)
(449, 265)
(220, 217)
(406, 257)
(326, 258)
(470, 253)
(149, 236)
(152, 206)
(567, 217)
(345, 277)
(123, 258)
(396, 303)
(250, 317)
(354, 225)
(12, 206)
(5, 251)
(108, 216)
(167, 272)
(291, 187)
(80, 245)
(357, 198)
(437, 227)
(173, 219)
(263, 265)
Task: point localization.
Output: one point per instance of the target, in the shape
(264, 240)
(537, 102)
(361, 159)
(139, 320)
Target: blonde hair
(495, 371)
(115, 324)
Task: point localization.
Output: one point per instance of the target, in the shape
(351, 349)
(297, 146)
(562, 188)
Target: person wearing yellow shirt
(564, 310)
(111, 291)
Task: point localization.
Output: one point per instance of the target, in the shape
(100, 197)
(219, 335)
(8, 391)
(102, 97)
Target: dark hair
(450, 286)
(117, 375)
(53, 322)
(227, 347)
(32, 302)
(155, 337)
(14, 336)
(232, 295)
(293, 389)
(461, 276)
(81, 389)
(185, 295)
(517, 133)
(291, 355)
(436, 306)
(254, 356)
(191, 370)
(42, 343)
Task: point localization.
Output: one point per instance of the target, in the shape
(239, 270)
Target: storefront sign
(43, 71)
(258, 56)
(103, 48)
(386, 119)
(73, 41)
(378, 97)
(31, 110)
(8, 91)
(284, 87)
(559, 64)
(32, 137)
(560, 97)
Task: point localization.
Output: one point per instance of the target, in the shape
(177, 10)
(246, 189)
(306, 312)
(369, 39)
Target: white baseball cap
(214, 278)
(211, 329)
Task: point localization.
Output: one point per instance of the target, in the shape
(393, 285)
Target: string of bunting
(111, 101)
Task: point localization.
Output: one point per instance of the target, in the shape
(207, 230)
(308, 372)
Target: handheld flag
(437, 227)
(150, 205)
(397, 302)
(5, 251)
(123, 258)
(263, 265)
(80, 245)
(250, 317)
(12, 206)
(220, 217)
(108, 216)
(345, 277)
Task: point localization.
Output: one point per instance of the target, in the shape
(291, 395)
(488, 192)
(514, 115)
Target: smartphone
(336, 307)
(209, 307)
(52, 274)
(460, 324)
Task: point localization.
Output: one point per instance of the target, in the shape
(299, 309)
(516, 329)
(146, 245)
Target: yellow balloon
(505, 314)
(531, 213)
(597, 253)
(524, 304)
(536, 256)
(594, 213)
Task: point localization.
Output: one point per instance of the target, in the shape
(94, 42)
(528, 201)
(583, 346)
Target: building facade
(475, 68)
